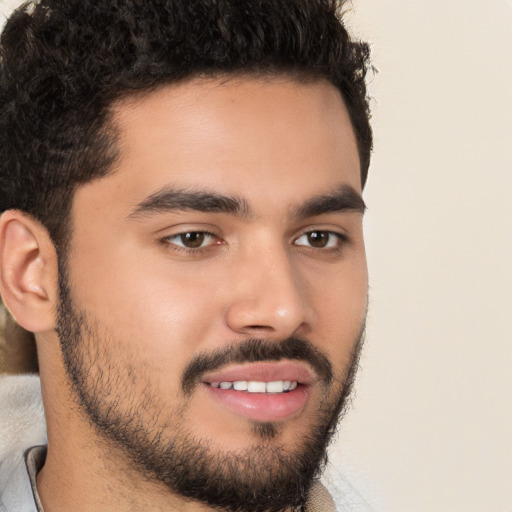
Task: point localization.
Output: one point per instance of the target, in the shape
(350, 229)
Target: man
(182, 232)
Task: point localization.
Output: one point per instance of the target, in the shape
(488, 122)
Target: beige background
(430, 428)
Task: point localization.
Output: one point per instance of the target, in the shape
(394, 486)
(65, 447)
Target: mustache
(257, 350)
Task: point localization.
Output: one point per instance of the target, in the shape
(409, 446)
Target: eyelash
(342, 240)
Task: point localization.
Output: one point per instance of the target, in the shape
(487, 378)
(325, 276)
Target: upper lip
(263, 372)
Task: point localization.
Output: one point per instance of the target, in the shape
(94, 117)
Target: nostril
(260, 327)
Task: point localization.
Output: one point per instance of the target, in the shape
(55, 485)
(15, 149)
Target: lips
(263, 372)
(261, 391)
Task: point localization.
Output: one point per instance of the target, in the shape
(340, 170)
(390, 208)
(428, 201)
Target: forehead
(250, 137)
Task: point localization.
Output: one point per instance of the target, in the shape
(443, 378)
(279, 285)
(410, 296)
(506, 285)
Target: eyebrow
(344, 198)
(169, 199)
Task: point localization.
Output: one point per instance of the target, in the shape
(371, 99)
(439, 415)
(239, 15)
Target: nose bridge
(270, 294)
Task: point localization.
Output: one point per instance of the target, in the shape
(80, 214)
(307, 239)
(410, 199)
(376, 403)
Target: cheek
(158, 312)
(340, 302)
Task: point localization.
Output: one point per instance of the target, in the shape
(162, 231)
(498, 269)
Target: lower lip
(262, 407)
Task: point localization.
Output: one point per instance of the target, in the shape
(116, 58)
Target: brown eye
(320, 239)
(191, 239)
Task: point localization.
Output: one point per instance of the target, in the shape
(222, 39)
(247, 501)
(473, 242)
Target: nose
(269, 297)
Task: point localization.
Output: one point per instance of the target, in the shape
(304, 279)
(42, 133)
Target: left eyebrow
(345, 198)
(170, 199)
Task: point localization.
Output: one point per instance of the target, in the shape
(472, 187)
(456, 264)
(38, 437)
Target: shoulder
(21, 413)
(21, 426)
(345, 495)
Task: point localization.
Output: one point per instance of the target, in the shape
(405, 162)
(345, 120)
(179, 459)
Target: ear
(28, 271)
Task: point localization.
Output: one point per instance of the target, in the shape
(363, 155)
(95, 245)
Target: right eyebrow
(170, 199)
(344, 198)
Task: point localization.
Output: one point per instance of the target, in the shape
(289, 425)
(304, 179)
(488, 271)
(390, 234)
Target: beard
(121, 402)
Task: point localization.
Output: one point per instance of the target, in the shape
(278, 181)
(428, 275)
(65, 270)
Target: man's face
(216, 282)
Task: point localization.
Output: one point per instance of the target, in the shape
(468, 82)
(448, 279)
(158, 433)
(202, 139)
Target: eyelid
(172, 229)
(335, 230)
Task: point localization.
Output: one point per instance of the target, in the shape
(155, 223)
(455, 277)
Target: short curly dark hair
(64, 62)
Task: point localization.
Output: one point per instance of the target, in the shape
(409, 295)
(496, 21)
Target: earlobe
(28, 271)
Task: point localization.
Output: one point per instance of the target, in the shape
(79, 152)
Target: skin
(273, 143)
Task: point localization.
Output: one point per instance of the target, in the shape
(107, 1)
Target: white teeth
(240, 385)
(256, 387)
(277, 386)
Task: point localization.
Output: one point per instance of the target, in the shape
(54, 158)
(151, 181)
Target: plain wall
(431, 423)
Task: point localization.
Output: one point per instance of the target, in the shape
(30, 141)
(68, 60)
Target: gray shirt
(18, 492)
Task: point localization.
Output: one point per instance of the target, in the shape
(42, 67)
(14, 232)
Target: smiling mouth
(271, 391)
(253, 386)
